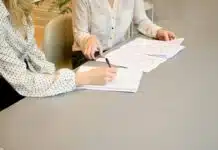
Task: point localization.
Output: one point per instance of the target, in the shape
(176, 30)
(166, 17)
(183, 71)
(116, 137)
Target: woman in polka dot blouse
(24, 70)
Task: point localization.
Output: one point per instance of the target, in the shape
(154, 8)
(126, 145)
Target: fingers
(172, 36)
(110, 74)
(102, 75)
(110, 77)
(87, 52)
(166, 36)
(100, 48)
(112, 70)
(92, 46)
(92, 53)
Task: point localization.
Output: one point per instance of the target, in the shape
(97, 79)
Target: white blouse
(109, 24)
(25, 67)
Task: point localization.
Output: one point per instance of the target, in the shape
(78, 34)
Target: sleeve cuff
(67, 76)
(155, 29)
(148, 29)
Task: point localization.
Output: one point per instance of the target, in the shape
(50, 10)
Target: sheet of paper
(142, 41)
(144, 55)
(154, 47)
(136, 61)
(158, 50)
(178, 41)
(127, 80)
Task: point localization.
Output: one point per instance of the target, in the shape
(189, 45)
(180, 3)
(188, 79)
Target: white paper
(136, 61)
(142, 41)
(157, 48)
(161, 50)
(144, 55)
(127, 80)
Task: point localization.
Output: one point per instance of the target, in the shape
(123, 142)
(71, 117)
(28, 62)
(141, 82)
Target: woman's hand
(97, 76)
(92, 46)
(165, 35)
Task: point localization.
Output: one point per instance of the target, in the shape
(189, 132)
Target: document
(144, 55)
(159, 50)
(165, 49)
(143, 63)
(127, 80)
(143, 41)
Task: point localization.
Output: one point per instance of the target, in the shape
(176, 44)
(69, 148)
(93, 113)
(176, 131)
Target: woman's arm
(81, 22)
(28, 83)
(144, 24)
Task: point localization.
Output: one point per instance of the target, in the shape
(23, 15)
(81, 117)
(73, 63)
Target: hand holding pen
(108, 63)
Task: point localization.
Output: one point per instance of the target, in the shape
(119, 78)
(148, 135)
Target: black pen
(107, 61)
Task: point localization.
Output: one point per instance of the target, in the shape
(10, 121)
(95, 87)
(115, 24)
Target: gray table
(176, 107)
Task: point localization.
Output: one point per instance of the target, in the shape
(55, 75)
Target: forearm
(81, 38)
(41, 85)
(147, 28)
(144, 24)
(80, 23)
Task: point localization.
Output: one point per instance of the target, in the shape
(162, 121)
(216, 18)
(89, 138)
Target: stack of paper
(144, 55)
(127, 80)
(154, 47)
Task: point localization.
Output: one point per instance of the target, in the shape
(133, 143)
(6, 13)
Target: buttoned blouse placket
(113, 13)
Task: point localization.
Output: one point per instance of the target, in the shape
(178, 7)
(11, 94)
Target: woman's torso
(22, 41)
(110, 25)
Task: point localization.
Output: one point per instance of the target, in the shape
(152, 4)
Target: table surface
(175, 108)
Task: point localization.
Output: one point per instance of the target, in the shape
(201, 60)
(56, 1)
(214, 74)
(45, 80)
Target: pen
(107, 61)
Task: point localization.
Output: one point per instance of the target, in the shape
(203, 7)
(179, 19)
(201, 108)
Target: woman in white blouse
(100, 24)
(24, 70)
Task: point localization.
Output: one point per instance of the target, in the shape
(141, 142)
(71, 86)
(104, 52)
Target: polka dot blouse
(25, 67)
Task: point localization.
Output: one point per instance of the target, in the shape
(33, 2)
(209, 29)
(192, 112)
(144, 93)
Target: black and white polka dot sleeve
(29, 83)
